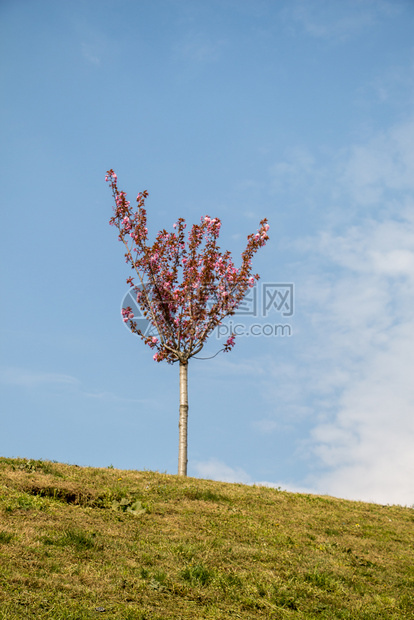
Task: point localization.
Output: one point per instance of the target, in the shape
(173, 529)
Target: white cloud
(355, 300)
(115, 398)
(336, 21)
(299, 167)
(91, 53)
(31, 378)
(383, 165)
(365, 331)
(213, 469)
(266, 425)
(375, 177)
(362, 302)
(283, 486)
(227, 366)
(199, 48)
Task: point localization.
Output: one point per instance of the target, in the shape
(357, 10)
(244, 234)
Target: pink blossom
(193, 284)
(127, 314)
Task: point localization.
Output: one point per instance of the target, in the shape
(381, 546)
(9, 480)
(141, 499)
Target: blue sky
(298, 111)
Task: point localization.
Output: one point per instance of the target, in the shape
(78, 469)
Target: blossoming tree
(185, 286)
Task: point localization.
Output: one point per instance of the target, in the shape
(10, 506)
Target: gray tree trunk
(182, 425)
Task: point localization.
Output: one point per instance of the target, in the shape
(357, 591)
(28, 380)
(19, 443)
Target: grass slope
(82, 543)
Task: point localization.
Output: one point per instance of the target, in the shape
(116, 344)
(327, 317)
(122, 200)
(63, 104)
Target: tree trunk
(182, 426)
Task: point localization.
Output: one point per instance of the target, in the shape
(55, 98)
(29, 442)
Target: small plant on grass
(322, 580)
(130, 506)
(158, 581)
(197, 575)
(31, 466)
(24, 501)
(206, 496)
(74, 538)
(5, 537)
(283, 597)
(78, 539)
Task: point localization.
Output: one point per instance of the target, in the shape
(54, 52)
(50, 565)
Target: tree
(187, 286)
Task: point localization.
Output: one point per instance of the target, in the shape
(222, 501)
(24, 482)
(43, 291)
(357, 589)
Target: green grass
(80, 543)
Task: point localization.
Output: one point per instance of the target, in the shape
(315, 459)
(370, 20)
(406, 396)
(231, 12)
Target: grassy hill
(82, 543)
